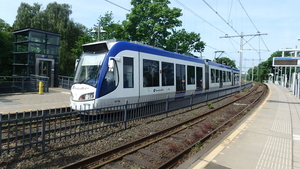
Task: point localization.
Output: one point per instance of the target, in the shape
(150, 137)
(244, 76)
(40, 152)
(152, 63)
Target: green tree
(4, 26)
(151, 21)
(6, 49)
(226, 61)
(183, 42)
(266, 67)
(26, 14)
(112, 29)
(87, 37)
(55, 18)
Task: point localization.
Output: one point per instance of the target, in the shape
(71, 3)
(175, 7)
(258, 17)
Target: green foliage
(4, 26)
(226, 61)
(26, 14)
(151, 20)
(264, 68)
(112, 29)
(210, 105)
(55, 18)
(184, 42)
(6, 49)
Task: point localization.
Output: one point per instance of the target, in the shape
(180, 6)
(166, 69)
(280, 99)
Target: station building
(36, 53)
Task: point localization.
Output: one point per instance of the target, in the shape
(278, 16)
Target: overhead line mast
(241, 49)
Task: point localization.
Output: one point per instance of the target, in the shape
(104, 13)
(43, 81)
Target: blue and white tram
(114, 72)
(221, 75)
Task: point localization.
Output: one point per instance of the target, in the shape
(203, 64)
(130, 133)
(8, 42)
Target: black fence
(40, 128)
(65, 82)
(22, 84)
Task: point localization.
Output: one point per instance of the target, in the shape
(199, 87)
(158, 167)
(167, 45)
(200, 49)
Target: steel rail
(104, 158)
(172, 162)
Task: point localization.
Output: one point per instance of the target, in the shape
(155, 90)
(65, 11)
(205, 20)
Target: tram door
(180, 80)
(45, 67)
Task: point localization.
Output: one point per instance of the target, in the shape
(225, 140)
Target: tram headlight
(88, 96)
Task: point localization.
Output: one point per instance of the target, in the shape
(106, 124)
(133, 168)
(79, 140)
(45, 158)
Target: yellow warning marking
(206, 160)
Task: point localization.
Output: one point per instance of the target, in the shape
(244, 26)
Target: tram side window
(229, 76)
(180, 78)
(190, 74)
(226, 76)
(218, 76)
(213, 75)
(199, 77)
(167, 74)
(150, 73)
(223, 78)
(128, 72)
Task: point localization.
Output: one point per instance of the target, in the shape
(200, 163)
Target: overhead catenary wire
(203, 20)
(118, 5)
(221, 17)
(232, 26)
(253, 24)
(248, 16)
(199, 16)
(229, 13)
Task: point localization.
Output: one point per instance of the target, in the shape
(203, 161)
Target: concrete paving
(269, 138)
(19, 102)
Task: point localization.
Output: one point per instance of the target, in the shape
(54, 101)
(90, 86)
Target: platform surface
(19, 102)
(269, 138)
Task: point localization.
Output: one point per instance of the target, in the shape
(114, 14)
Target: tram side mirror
(111, 62)
(76, 63)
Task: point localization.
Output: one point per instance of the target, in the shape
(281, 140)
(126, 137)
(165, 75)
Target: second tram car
(112, 72)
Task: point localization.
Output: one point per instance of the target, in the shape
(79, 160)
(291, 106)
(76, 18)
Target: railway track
(163, 149)
(30, 124)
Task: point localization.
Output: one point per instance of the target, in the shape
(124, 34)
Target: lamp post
(98, 31)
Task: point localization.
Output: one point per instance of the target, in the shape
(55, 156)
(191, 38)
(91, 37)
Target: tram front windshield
(88, 68)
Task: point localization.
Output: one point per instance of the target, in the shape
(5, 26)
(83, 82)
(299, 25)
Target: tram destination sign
(286, 61)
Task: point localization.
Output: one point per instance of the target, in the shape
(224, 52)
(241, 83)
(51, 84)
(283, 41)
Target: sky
(275, 24)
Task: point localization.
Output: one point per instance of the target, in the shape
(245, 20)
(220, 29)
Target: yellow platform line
(207, 159)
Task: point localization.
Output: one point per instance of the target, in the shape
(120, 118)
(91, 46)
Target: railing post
(23, 84)
(125, 114)
(43, 131)
(47, 89)
(1, 135)
(191, 101)
(167, 105)
(62, 81)
(69, 83)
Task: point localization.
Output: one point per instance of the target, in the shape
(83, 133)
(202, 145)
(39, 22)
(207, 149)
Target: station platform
(20, 102)
(268, 138)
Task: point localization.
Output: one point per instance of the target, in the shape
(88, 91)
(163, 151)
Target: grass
(13, 129)
(210, 105)
(197, 147)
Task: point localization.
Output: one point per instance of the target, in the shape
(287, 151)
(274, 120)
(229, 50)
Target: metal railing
(39, 128)
(22, 84)
(65, 82)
